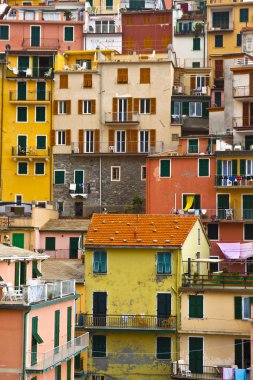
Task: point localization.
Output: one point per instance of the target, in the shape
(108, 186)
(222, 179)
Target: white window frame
(9, 31)
(202, 80)
(17, 121)
(195, 109)
(18, 168)
(120, 141)
(86, 107)
(146, 104)
(99, 28)
(69, 26)
(62, 107)
(87, 141)
(37, 142)
(250, 164)
(45, 120)
(39, 162)
(119, 173)
(143, 169)
(59, 137)
(244, 302)
(143, 143)
(60, 170)
(216, 257)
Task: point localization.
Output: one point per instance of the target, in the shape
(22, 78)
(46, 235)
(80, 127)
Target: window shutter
(203, 167)
(136, 104)
(68, 107)
(122, 76)
(81, 140)
(93, 106)
(145, 75)
(129, 109)
(205, 106)
(234, 167)
(165, 168)
(193, 82)
(132, 141)
(87, 80)
(55, 106)
(152, 138)
(80, 107)
(68, 136)
(207, 81)
(238, 353)
(153, 106)
(242, 167)
(185, 108)
(219, 167)
(96, 266)
(111, 137)
(197, 201)
(172, 107)
(64, 81)
(245, 114)
(167, 259)
(163, 348)
(160, 262)
(96, 140)
(114, 108)
(103, 262)
(69, 323)
(17, 270)
(52, 137)
(238, 307)
(199, 305)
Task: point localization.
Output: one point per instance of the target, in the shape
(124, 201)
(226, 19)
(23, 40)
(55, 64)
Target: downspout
(24, 346)
(2, 113)
(100, 136)
(51, 148)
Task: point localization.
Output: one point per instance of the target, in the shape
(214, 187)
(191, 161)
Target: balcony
(242, 92)
(52, 358)
(193, 63)
(128, 322)
(236, 181)
(122, 118)
(37, 292)
(240, 122)
(217, 280)
(30, 153)
(187, 91)
(182, 371)
(221, 26)
(67, 253)
(43, 43)
(126, 147)
(30, 97)
(45, 72)
(218, 215)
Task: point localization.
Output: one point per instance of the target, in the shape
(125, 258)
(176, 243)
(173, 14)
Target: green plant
(198, 28)
(137, 200)
(195, 277)
(68, 14)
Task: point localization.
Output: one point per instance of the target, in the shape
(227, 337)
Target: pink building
(33, 347)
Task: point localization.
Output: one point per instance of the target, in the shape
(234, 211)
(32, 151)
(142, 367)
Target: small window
(195, 65)
(69, 33)
(213, 231)
(99, 346)
(246, 307)
(62, 107)
(60, 137)
(175, 136)
(164, 168)
(193, 146)
(122, 76)
(19, 199)
(214, 266)
(145, 106)
(50, 243)
(4, 32)
(163, 348)
(40, 114)
(22, 168)
(100, 262)
(219, 40)
(87, 107)
(64, 81)
(145, 75)
(196, 43)
(163, 264)
(248, 232)
(39, 168)
(244, 15)
(109, 4)
(87, 80)
(195, 306)
(41, 142)
(239, 40)
(59, 177)
(195, 109)
(115, 173)
(204, 167)
(22, 114)
(143, 173)
(191, 201)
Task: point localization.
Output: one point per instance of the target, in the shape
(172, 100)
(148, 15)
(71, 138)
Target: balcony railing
(222, 280)
(45, 72)
(52, 358)
(126, 321)
(122, 117)
(216, 215)
(242, 91)
(179, 371)
(43, 43)
(29, 151)
(193, 62)
(30, 96)
(222, 26)
(123, 147)
(239, 122)
(234, 180)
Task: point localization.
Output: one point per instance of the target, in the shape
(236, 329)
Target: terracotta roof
(56, 269)
(138, 230)
(79, 225)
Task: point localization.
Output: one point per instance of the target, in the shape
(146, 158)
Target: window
(163, 264)
(41, 142)
(4, 32)
(195, 109)
(174, 136)
(39, 168)
(35, 271)
(144, 75)
(98, 346)
(214, 267)
(64, 81)
(144, 106)
(50, 243)
(60, 137)
(106, 26)
(122, 76)
(163, 347)
(115, 173)
(196, 43)
(87, 80)
(219, 40)
(62, 107)
(109, 4)
(144, 142)
(68, 33)
(249, 167)
(120, 142)
(195, 65)
(242, 307)
(22, 114)
(164, 168)
(217, 99)
(244, 15)
(239, 40)
(248, 231)
(98, 377)
(195, 306)
(221, 20)
(193, 146)
(129, 43)
(89, 141)
(191, 201)
(204, 167)
(22, 168)
(100, 262)
(143, 173)
(213, 231)
(18, 199)
(40, 114)
(87, 106)
(200, 81)
(59, 177)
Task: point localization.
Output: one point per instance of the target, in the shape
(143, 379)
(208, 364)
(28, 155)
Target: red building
(145, 31)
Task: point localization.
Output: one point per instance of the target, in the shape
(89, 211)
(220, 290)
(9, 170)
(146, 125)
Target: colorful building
(133, 267)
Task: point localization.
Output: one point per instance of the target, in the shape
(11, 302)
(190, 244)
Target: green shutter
(238, 307)
(234, 167)
(34, 341)
(57, 328)
(36, 272)
(164, 168)
(195, 306)
(167, 262)
(22, 168)
(18, 239)
(58, 372)
(172, 107)
(59, 177)
(4, 32)
(196, 43)
(69, 324)
(242, 167)
(40, 114)
(41, 91)
(109, 4)
(69, 33)
(103, 262)
(96, 262)
(160, 262)
(17, 273)
(21, 91)
(238, 352)
(69, 370)
(163, 347)
(99, 346)
(223, 201)
(23, 63)
(35, 36)
(22, 114)
(39, 168)
(41, 142)
(35, 66)
(204, 167)
(50, 243)
(23, 270)
(205, 106)
(185, 108)
(196, 203)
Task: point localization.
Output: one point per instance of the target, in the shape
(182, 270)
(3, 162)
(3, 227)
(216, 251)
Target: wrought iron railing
(30, 151)
(234, 180)
(223, 280)
(179, 371)
(131, 147)
(45, 43)
(121, 117)
(30, 96)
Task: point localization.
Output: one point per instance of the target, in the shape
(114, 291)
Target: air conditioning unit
(111, 149)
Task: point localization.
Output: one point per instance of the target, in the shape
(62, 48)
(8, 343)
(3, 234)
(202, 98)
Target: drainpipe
(24, 377)
(51, 148)
(101, 134)
(2, 113)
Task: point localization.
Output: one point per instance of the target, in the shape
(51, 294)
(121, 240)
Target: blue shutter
(96, 262)
(103, 262)
(167, 260)
(160, 262)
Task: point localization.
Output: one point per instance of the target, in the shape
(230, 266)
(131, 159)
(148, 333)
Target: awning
(189, 202)
(236, 250)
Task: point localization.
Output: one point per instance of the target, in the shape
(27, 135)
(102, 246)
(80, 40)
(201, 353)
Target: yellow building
(133, 266)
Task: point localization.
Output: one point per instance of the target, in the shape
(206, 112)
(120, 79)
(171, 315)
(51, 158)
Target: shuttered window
(63, 81)
(144, 75)
(193, 146)
(196, 43)
(163, 264)
(203, 167)
(196, 201)
(164, 168)
(50, 243)
(98, 346)
(40, 114)
(4, 32)
(195, 306)
(122, 76)
(22, 114)
(99, 262)
(69, 369)
(87, 80)
(239, 40)
(69, 323)
(69, 33)
(22, 168)
(163, 347)
(219, 40)
(39, 168)
(41, 142)
(57, 330)
(59, 177)
(244, 15)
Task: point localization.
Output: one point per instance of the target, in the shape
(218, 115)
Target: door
(248, 142)
(196, 355)
(122, 116)
(41, 91)
(56, 330)
(218, 69)
(99, 308)
(73, 247)
(79, 181)
(22, 145)
(247, 201)
(35, 35)
(23, 64)
(222, 205)
(251, 84)
(21, 91)
(78, 208)
(18, 240)
(163, 307)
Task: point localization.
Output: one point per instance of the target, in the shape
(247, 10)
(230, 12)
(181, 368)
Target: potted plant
(68, 15)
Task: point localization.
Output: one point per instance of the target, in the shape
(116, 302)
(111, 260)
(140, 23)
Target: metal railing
(241, 91)
(239, 122)
(193, 62)
(122, 117)
(205, 372)
(30, 95)
(30, 151)
(52, 358)
(62, 253)
(219, 26)
(133, 147)
(45, 72)
(127, 321)
(223, 280)
(44, 43)
(216, 215)
(234, 180)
